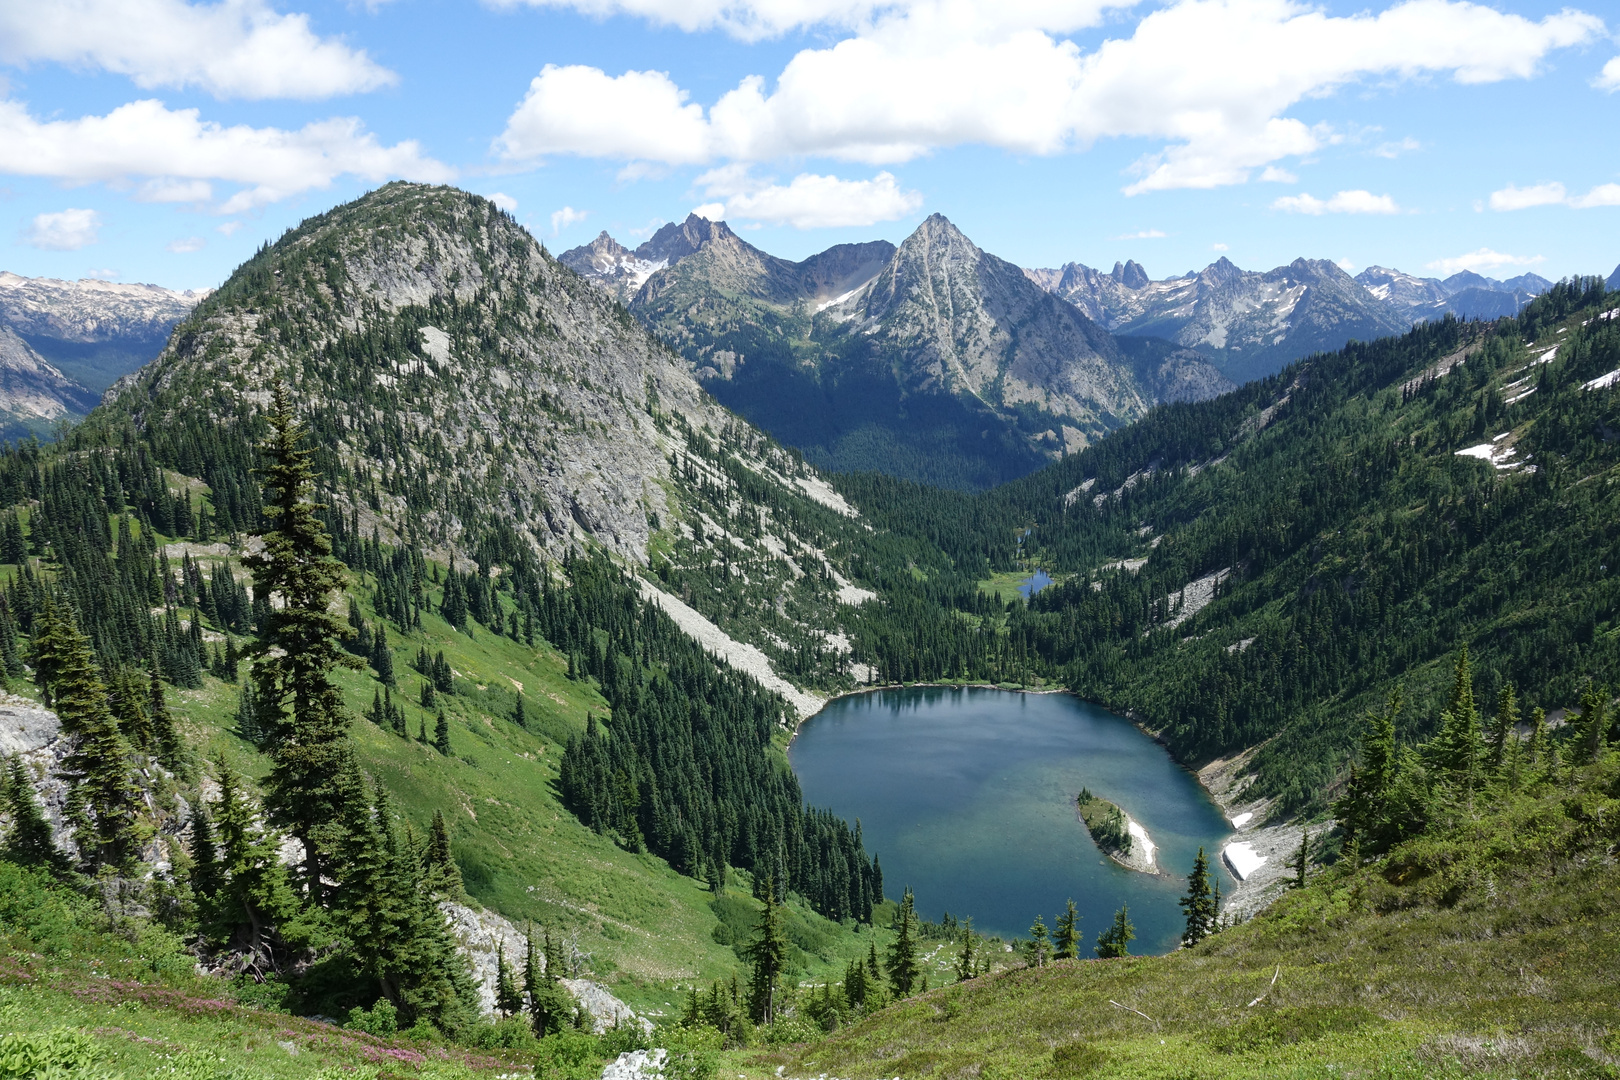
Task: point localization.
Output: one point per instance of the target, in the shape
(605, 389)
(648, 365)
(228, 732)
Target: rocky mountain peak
(1221, 271)
(675, 242)
(1130, 274)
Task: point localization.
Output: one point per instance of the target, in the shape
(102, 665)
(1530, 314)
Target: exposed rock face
(446, 359)
(1465, 294)
(94, 331)
(482, 934)
(612, 265)
(1250, 323)
(32, 392)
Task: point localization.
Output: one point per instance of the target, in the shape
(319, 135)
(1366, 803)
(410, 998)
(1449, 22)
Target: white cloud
(1396, 149)
(1212, 78)
(504, 201)
(104, 274)
(65, 230)
(237, 48)
(712, 211)
(228, 228)
(581, 110)
(808, 201)
(1345, 202)
(760, 19)
(561, 219)
(1554, 194)
(1602, 195)
(1346, 265)
(168, 190)
(1219, 247)
(185, 245)
(1145, 234)
(1482, 261)
(1609, 77)
(1274, 175)
(145, 139)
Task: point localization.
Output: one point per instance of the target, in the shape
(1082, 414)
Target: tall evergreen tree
(99, 761)
(253, 898)
(902, 961)
(1199, 904)
(1040, 943)
(1116, 939)
(444, 876)
(1066, 942)
(441, 734)
(967, 961)
(298, 648)
(768, 953)
(1456, 752)
(29, 842)
(1302, 859)
(1363, 809)
(1503, 724)
(550, 1004)
(1592, 730)
(508, 999)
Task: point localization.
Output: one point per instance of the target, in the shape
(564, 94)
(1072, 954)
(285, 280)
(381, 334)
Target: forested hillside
(1254, 571)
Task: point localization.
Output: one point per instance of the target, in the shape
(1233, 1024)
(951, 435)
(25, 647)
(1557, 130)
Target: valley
(582, 616)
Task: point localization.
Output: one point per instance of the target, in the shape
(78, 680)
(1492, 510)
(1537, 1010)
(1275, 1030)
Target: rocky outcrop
(481, 935)
(33, 393)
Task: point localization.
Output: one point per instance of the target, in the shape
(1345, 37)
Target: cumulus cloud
(1211, 78)
(1483, 261)
(561, 219)
(65, 230)
(237, 48)
(1345, 202)
(711, 211)
(1609, 77)
(808, 201)
(185, 245)
(504, 201)
(1219, 247)
(1553, 194)
(1145, 234)
(1274, 175)
(176, 146)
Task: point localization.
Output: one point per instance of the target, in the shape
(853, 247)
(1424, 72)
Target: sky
(164, 141)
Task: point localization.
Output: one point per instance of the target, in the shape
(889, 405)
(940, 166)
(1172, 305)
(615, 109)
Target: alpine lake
(968, 796)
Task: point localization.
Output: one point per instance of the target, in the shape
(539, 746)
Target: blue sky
(163, 141)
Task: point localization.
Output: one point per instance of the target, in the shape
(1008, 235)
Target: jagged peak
(1221, 271)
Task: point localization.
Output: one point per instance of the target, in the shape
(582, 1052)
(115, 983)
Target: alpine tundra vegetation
(400, 669)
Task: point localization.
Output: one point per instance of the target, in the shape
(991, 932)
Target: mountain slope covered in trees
(1249, 573)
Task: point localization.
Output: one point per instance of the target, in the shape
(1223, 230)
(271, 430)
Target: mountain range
(64, 342)
(940, 362)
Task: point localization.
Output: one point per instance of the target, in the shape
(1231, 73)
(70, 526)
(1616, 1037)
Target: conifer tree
(1302, 859)
(444, 876)
(1503, 724)
(1199, 903)
(29, 843)
(253, 896)
(1363, 809)
(298, 647)
(1066, 942)
(508, 999)
(902, 961)
(768, 953)
(1040, 943)
(1592, 732)
(1456, 752)
(206, 875)
(98, 763)
(441, 735)
(1116, 939)
(519, 717)
(1535, 748)
(966, 960)
(550, 1003)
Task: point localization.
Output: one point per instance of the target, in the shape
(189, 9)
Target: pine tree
(902, 961)
(1302, 859)
(1066, 942)
(1116, 939)
(1456, 752)
(254, 896)
(966, 961)
(508, 999)
(382, 657)
(1592, 732)
(550, 1003)
(98, 763)
(1040, 943)
(298, 648)
(444, 876)
(768, 953)
(29, 842)
(1503, 725)
(519, 717)
(1363, 809)
(1199, 903)
(441, 735)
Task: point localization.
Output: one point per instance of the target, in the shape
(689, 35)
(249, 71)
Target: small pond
(968, 796)
(1033, 584)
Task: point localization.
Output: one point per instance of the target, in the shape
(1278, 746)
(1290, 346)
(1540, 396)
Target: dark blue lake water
(1033, 584)
(968, 796)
